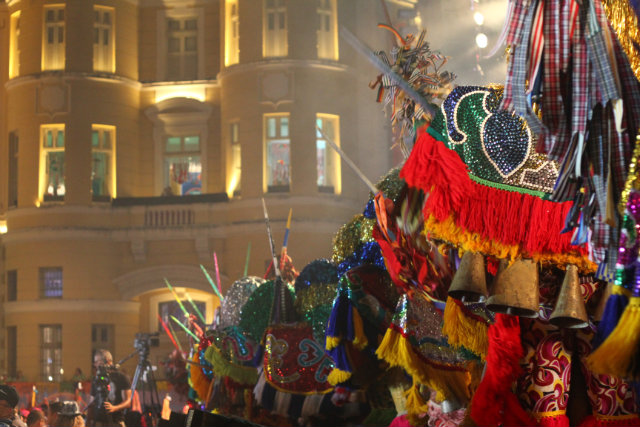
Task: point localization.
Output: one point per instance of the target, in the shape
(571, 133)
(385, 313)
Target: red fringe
(508, 217)
(557, 421)
(429, 167)
(591, 421)
(494, 403)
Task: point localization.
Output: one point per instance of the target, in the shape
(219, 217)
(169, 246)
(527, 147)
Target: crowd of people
(110, 393)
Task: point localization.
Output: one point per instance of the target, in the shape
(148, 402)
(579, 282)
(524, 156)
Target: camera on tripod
(100, 388)
(144, 341)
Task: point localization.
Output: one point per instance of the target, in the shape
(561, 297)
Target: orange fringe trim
(448, 231)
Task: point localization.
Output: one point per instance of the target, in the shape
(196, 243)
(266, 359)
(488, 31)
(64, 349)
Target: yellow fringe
(620, 290)
(332, 342)
(464, 331)
(616, 353)
(198, 380)
(360, 341)
(449, 231)
(397, 351)
(415, 404)
(338, 376)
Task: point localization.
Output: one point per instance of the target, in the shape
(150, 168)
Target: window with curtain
(182, 48)
(327, 161)
(102, 162)
(182, 165)
(52, 161)
(51, 352)
(327, 30)
(277, 149)
(53, 43)
(274, 30)
(232, 33)
(103, 39)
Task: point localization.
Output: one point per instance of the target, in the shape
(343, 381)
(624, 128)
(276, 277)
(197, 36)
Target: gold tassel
(360, 340)
(415, 404)
(464, 331)
(332, 342)
(338, 376)
(446, 381)
(616, 353)
(623, 20)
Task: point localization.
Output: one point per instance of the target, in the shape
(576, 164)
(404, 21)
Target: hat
(9, 394)
(70, 408)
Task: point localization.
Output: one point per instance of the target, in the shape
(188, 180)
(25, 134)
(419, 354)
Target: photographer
(111, 392)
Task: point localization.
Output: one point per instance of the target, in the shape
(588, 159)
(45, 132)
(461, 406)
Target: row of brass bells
(515, 290)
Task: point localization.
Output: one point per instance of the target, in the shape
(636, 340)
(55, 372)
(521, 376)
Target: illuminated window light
(180, 91)
(481, 40)
(479, 18)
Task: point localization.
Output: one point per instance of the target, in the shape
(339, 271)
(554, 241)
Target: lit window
(51, 352)
(13, 169)
(327, 161)
(327, 30)
(167, 309)
(14, 46)
(276, 130)
(236, 160)
(182, 48)
(182, 165)
(274, 28)
(232, 47)
(53, 38)
(52, 162)
(103, 39)
(51, 282)
(103, 162)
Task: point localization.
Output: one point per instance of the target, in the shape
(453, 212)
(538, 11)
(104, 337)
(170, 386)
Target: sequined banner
(294, 362)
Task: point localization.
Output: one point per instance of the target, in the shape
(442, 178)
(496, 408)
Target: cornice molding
(285, 64)
(71, 305)
(137, 234)
(66, 76)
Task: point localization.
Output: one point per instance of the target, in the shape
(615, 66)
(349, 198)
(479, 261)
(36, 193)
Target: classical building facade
(137, 139)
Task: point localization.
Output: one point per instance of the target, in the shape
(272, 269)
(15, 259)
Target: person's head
(8, 400)
(102, 357)
(70, 415)
(36, 418)
(54, 410)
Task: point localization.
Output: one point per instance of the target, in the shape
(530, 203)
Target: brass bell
(515, 289)
(469, 284)
(570, 311)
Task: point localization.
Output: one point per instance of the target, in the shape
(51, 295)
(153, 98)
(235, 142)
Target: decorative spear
(246, 262)
(195, 307)
(175, 295)
(185, 328)
(213, 285)
(166, 329)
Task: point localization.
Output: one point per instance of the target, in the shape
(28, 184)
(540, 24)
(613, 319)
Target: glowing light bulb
(479, 18)
(481, 40)
(418, 20)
